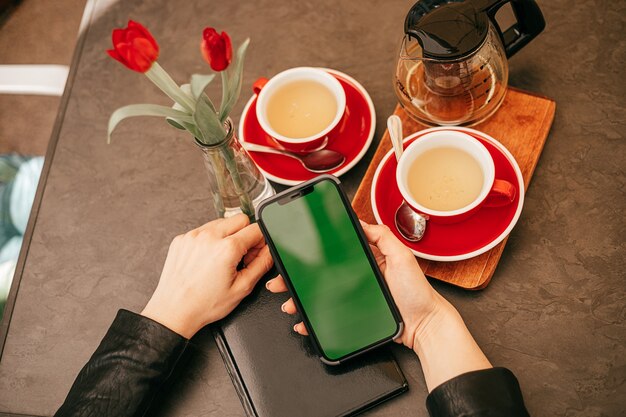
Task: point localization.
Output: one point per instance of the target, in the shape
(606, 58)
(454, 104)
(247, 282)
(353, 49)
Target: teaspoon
(319, 161)
(410, 224)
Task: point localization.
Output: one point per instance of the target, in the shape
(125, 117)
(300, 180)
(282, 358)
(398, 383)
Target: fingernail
(295, 328)
(282, 307)
(267, 284)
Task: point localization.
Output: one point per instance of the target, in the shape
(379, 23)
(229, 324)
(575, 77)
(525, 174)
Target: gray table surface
(553, 313)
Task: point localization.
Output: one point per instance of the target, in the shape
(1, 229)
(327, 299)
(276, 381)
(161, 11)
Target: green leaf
(177, 123)
(210, 128)
(199, 83)
(187, 125)
(134, 110)
(162, 79)
(234, 84)
(174, 123)
(188, 88)
(183, 125)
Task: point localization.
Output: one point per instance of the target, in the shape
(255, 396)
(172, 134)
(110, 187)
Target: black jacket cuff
(134, 333)
(125, 372)
(133, 324)
(489, 393)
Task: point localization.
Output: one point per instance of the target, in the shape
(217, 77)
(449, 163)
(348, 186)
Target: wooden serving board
(522, 125)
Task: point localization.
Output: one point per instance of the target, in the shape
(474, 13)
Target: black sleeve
(122, 377)
(488, 393)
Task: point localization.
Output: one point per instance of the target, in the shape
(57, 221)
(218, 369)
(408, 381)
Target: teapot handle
(530, 23)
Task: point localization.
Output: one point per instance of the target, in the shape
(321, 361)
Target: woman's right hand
(432, 326)
(417, 301)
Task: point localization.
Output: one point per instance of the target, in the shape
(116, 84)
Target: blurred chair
(46, 80)
(19, 175)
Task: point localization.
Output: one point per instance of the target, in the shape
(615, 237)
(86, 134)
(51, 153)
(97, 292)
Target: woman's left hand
(200, 282)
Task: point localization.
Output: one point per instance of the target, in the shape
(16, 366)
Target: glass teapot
(452, 67)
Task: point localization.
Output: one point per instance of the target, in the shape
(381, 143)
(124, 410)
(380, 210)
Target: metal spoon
(321, 146)
(410, 224)
(319, 161)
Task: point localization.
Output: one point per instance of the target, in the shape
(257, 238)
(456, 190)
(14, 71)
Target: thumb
(250, 275)
(381, 237)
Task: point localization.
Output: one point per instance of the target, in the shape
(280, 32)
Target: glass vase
(235, 183)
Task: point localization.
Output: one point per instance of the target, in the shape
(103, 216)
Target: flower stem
(218, 201)
(162, 79)
(225, 94)
(244, 197)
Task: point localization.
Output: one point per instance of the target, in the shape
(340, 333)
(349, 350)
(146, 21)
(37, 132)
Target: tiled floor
(36, 32)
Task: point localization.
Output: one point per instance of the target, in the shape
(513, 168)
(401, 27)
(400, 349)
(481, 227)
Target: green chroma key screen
(329, 270)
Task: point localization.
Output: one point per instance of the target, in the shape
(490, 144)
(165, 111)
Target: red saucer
(458, 241)
(352, 139)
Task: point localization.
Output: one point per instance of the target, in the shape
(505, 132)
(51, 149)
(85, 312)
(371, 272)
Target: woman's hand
(432, 326)
(413, 295)
(200, 282)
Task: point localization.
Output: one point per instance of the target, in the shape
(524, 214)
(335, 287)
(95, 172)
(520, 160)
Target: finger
(248, 237)
(381, 260)
(381, 237)
(250, 275)
(301, 329)
(276, 285)
(228, 226)
(210, 225)
(289, 307)
(376, 251)
(253, 253)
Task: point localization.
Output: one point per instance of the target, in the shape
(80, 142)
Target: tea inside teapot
(452, 67)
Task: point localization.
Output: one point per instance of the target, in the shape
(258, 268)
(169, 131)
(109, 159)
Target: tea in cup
(448, 175)
(299, 107)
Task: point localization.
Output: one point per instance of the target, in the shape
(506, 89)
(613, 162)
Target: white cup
(494, 192)
(266, 88)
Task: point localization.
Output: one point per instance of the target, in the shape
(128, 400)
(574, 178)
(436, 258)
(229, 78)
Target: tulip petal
(132, 34)
(113, 54)
(204, 50)
(153, 41)
(216, 49)
(142, 63)
(118, 36)
(134, 47)
(228, 46)
(144, 32)
(208, 33)
(143, 46)
(126, 53)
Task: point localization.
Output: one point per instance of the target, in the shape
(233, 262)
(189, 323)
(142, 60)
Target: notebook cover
(276, 372)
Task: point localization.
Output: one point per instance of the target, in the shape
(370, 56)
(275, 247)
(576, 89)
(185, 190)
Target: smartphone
(320, 249)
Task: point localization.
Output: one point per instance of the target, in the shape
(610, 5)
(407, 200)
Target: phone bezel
(297, 190)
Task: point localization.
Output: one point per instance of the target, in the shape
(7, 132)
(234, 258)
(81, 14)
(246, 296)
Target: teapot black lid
(447, 30)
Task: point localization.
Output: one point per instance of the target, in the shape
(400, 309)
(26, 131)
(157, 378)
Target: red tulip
(216, 49)
(134, 47)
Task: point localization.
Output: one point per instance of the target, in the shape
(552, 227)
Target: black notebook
(277, 373)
